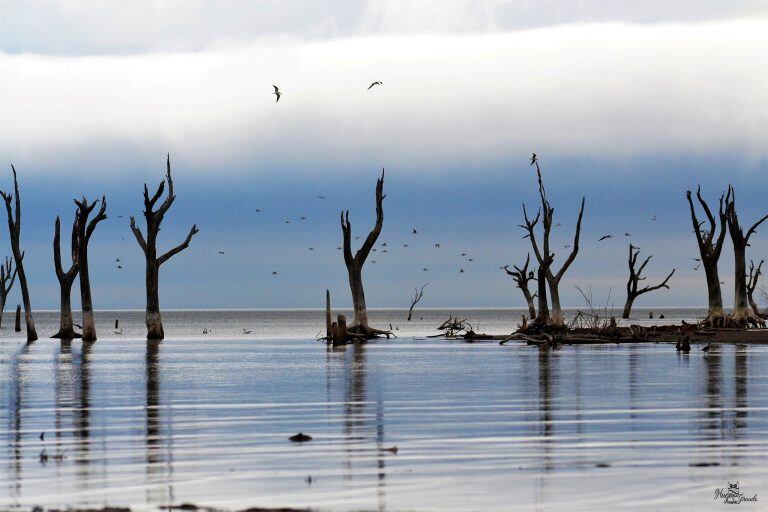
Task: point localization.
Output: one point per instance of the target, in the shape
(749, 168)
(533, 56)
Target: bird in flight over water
(604, 237)
(374, 83)
(277, 93)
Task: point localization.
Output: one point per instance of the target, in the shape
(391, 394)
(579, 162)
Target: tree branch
(183, 245)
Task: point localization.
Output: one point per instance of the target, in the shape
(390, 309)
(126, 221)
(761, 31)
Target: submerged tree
(355, 263)
(544, 255)
(710, 248)
(66, 279)
(14, 228)
(522, 276)
(84, 231)
(416, 298)
(635, 276)
(149, 245)
(7, 278)
(742, 312)
(754, 275)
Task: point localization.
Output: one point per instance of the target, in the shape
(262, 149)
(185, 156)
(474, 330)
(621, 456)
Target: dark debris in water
(182, 506)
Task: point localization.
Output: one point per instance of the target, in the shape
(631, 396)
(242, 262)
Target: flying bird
(415, 232)
(258, 210)
(424, 270)
(221, 252)
(321, 197)
(302, 218)
(371, 86)
(277, 93)
(274, 272)
(627, 234)
(287, 222)
(604, 237)
(461, 271)
(384, 244)
(654, 218)
(437, 245)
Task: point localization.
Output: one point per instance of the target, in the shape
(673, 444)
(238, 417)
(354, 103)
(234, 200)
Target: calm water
(205, 419)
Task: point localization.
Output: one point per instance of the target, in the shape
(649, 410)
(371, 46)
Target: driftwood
(635, 276)
(7, 278)
(14, 228)
(154, 219)
(742, 310)
(85, 229)
(339, 333)
(416, 298)
(545, 256)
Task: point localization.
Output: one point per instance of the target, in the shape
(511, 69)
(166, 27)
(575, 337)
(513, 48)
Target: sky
(628, 104)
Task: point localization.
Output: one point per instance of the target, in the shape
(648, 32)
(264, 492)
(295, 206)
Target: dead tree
(545, 256)
(754, 275)
(522, 276)
(635, 276)
(7, 278)
(14, 228)
(709, 251)
(85, 229)
(355, 263)
(416, 298)
(154, 219)
(66, 279)
(742, 313)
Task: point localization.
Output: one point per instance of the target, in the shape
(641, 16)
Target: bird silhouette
(374, 83)
(627, 234)
(373, 261)
(321, 197)
(470, 259)
(405, 245)
(338, 248)
(258, 210)
(605, 237)
(424, 270)
(437, 245)
(706, 349)
(302, 218)
(415, 232)
(274, 272)
(311, 248)
(119, 266)
(566, 247)
(463, 254)
(654, 218)
(277, 93)
(287, 222)
(117, 260)
(384, 244)
(461, 271)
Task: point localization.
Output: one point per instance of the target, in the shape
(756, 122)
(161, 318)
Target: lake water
(205, 419)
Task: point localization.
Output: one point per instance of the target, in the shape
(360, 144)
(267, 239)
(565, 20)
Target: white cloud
(613, 89)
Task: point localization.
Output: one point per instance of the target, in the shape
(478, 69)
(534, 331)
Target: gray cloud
(112, 26)
(610, 89)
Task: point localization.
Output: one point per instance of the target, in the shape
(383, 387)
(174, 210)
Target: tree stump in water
(17, 328)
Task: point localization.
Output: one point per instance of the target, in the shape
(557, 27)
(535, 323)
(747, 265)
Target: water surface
(206, 419)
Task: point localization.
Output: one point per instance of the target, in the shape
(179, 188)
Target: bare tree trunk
(416, 298)
(66, 279)
(541, 281)
(14, 227)
(154, 219)
(355, 263)
(754, 275)
(328, 320)
(85, 230)
(742, 312)
(7, 278)
(709, 250)
(522, 276)
(544, 256)
(635, 276)
(17, 326)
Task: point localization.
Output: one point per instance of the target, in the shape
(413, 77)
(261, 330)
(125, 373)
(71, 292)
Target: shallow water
(206, 419)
